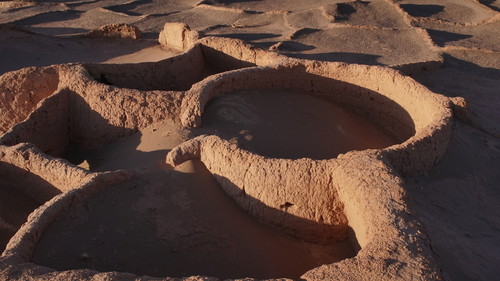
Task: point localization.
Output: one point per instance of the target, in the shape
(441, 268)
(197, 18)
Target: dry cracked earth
(451, 47)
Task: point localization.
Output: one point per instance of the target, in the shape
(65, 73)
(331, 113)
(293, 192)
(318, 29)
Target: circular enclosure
(407, 111)
(299, 193)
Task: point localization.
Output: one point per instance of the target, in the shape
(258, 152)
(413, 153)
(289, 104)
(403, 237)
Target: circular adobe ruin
(417, 117)
(279, 191)
(318, 200)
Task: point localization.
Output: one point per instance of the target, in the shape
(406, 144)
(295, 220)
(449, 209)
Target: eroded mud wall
(173, 74)
(21, 90)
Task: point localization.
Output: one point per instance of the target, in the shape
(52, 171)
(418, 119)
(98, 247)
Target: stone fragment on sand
(116, 30)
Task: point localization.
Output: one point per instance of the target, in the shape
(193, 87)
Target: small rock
(122, 30)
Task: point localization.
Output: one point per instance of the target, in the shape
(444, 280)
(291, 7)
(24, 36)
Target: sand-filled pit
(26, 183)
(233, 233)
(287, 124)
(15, 206)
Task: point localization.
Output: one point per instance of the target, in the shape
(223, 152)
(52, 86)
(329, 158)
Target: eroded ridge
(358, 195)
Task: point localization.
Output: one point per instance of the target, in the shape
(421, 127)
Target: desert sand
(316, 140)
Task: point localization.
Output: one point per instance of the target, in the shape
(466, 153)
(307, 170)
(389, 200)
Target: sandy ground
(255, 119)
(49, 50)
(12, 199)
(457, 201)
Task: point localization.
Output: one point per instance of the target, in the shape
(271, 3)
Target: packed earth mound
(168, 168)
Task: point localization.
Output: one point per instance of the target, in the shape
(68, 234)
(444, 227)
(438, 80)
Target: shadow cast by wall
(21, 192)
(315, 231)
(490, 3)
(127, 7)
(31, 49)
(58, 31)
(341, 57)
(248, 36)
(292, 46)
(443, 37)
(218, 61)
(416, 10)
(454, 64)
(173, 74)
(48, 17)
(121, 154)
(63, 118)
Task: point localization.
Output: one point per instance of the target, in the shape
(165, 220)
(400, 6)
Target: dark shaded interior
(416, 10)
(63, 119)
(173, 74)
(177, 73)
(389, 116)
(21, 192)
(217, 61)
(292, 125)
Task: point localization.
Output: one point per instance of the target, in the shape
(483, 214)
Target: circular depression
(417, 118)
(289, 124)
(280, 182)
(184, 228)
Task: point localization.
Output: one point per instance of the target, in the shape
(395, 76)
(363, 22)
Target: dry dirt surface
(130, 148)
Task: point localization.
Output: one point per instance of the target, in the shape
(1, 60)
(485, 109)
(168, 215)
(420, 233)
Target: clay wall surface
(20, 92)
(177, 35)
(398, 104)
(46, 127)
(393, 243)
(29, 178)
(21, 246)
(91, 114)
(173, 74)
(294, 195)
(57, 172)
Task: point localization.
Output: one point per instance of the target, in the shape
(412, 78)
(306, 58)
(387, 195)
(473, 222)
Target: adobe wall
(90, 114)
(296, 196)
(393, 244)
(26, 159)
(418, 118)
(177, 73)
(47, 127)
(37, 178)
(21, 90)
(20, 248)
